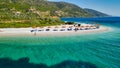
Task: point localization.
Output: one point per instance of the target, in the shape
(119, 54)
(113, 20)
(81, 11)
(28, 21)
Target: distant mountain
(95, 13)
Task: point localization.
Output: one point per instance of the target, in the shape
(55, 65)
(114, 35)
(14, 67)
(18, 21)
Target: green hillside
(96, 13)
(26, 13)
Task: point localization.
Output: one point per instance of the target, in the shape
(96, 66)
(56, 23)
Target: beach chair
(55, 29)
(41, 30)
(47, 29)
(32, 30)
(69, 29)
(62, 29)
(80, 29)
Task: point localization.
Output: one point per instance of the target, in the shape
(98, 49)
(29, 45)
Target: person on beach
(34, 30)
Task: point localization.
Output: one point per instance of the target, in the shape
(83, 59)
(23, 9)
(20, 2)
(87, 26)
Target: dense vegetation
(26, 13)
(30, 23)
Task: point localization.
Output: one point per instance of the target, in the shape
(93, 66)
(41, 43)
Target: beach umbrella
(63, 27)
(34, 27)
(56, 27)
(91, 26)
(87, 26)
(41, 26)
(49, 27)
(82, 26)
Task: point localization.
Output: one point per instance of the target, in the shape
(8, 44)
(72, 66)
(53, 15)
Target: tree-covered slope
(95, 13)
(40, 12)
(60, 9)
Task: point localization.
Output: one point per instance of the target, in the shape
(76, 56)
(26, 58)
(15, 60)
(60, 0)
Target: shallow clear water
(100, 49)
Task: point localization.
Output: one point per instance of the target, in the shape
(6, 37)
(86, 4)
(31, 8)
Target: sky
(111, 7)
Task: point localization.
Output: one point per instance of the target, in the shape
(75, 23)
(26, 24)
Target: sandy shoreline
(26, 32)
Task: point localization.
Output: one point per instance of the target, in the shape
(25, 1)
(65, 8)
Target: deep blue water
(109, 21)
(100, 50)
(100, 19)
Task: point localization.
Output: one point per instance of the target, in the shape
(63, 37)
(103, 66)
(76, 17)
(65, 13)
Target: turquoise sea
(100, 50)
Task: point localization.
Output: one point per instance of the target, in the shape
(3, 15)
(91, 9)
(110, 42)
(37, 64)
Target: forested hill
(38, 11)
(95, 13)
(42, 8)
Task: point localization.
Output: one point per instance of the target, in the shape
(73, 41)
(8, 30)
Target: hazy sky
(111, 7)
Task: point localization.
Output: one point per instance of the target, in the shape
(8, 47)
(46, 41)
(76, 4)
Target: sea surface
(99, 50)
